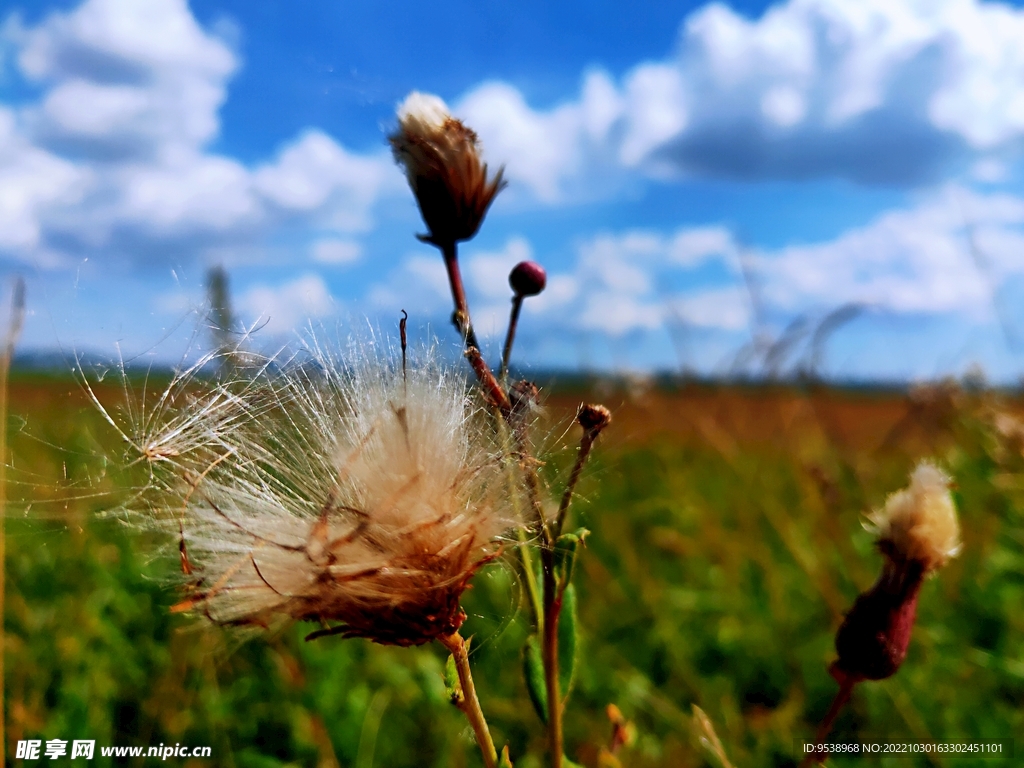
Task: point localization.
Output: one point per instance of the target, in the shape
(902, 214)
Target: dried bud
(593, 418)
(442, 161)
(917, 533)
(524, 395)
(527, 278)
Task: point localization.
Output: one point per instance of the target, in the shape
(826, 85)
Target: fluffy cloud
(114, 156)
(281, 309)
(871, 90)
(945, 255)
(336, 252)
(127, 78)
(948, 255)
(615, 286)
(32, 182)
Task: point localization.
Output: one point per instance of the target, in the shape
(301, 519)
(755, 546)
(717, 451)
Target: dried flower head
(919, 523)
(441, 157)
(917, 534)
(363, 498)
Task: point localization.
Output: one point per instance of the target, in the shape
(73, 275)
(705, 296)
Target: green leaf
(568, 640)
(533, 672)
(565, 554)
(452, 685)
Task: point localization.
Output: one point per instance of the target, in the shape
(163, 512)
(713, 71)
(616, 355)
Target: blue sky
(697, 178)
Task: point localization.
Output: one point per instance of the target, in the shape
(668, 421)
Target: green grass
(724, 550)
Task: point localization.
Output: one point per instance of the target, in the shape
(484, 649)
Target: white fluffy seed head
(348, 494)
(423, 115)
(919, 523)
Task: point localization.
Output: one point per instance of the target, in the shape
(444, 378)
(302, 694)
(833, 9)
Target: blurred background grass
(726, 545)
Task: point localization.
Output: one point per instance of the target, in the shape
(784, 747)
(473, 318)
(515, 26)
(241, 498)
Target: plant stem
(552, 609)
(461, 315)
(845, 692)
(470, 704)
(530, 577)
(586, 443)
(13, 331)
(525, 557)
(510, 337)
(464, 325)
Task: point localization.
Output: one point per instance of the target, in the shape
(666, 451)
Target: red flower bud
(527, 278)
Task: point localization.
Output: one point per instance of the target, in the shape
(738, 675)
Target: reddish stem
(513, 322)
(846, 685)
(464, 326)
(552, 610)
(461, 314)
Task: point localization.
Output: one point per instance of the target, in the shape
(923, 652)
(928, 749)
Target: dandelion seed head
(348, 494)
(919, 522)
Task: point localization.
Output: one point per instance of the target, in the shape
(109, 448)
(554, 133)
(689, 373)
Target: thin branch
(470, 704)
(552, 610)
(510, 336)
(842, 697)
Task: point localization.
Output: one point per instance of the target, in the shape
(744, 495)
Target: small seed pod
(527, 278)
(593, 418)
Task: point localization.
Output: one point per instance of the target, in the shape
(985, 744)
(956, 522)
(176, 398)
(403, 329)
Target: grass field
(726, 545)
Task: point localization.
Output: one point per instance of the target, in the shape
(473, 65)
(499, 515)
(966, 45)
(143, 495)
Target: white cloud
(32, 182)
(336, 252)
(691, 247)
(281, 309)
(989, 170)
(418, 284)
(315, 173)
(916, 260)
(537, 148)
(615, 285)
(487, 273)
(726, 308)
(128, 75)
(879, 91)
(114, 158)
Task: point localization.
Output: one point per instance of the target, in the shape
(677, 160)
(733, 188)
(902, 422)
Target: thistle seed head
(919, 523)
(355, 496)
(917, 534)
(441, 158)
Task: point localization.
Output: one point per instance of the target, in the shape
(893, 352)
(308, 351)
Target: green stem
(552, 609)
(13, 331)
(530, 577)
(470, 704)
(525, 556)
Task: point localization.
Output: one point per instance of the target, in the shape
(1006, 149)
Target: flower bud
(917, 534)
(593, 418)
(527, 278)
(442, 161)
